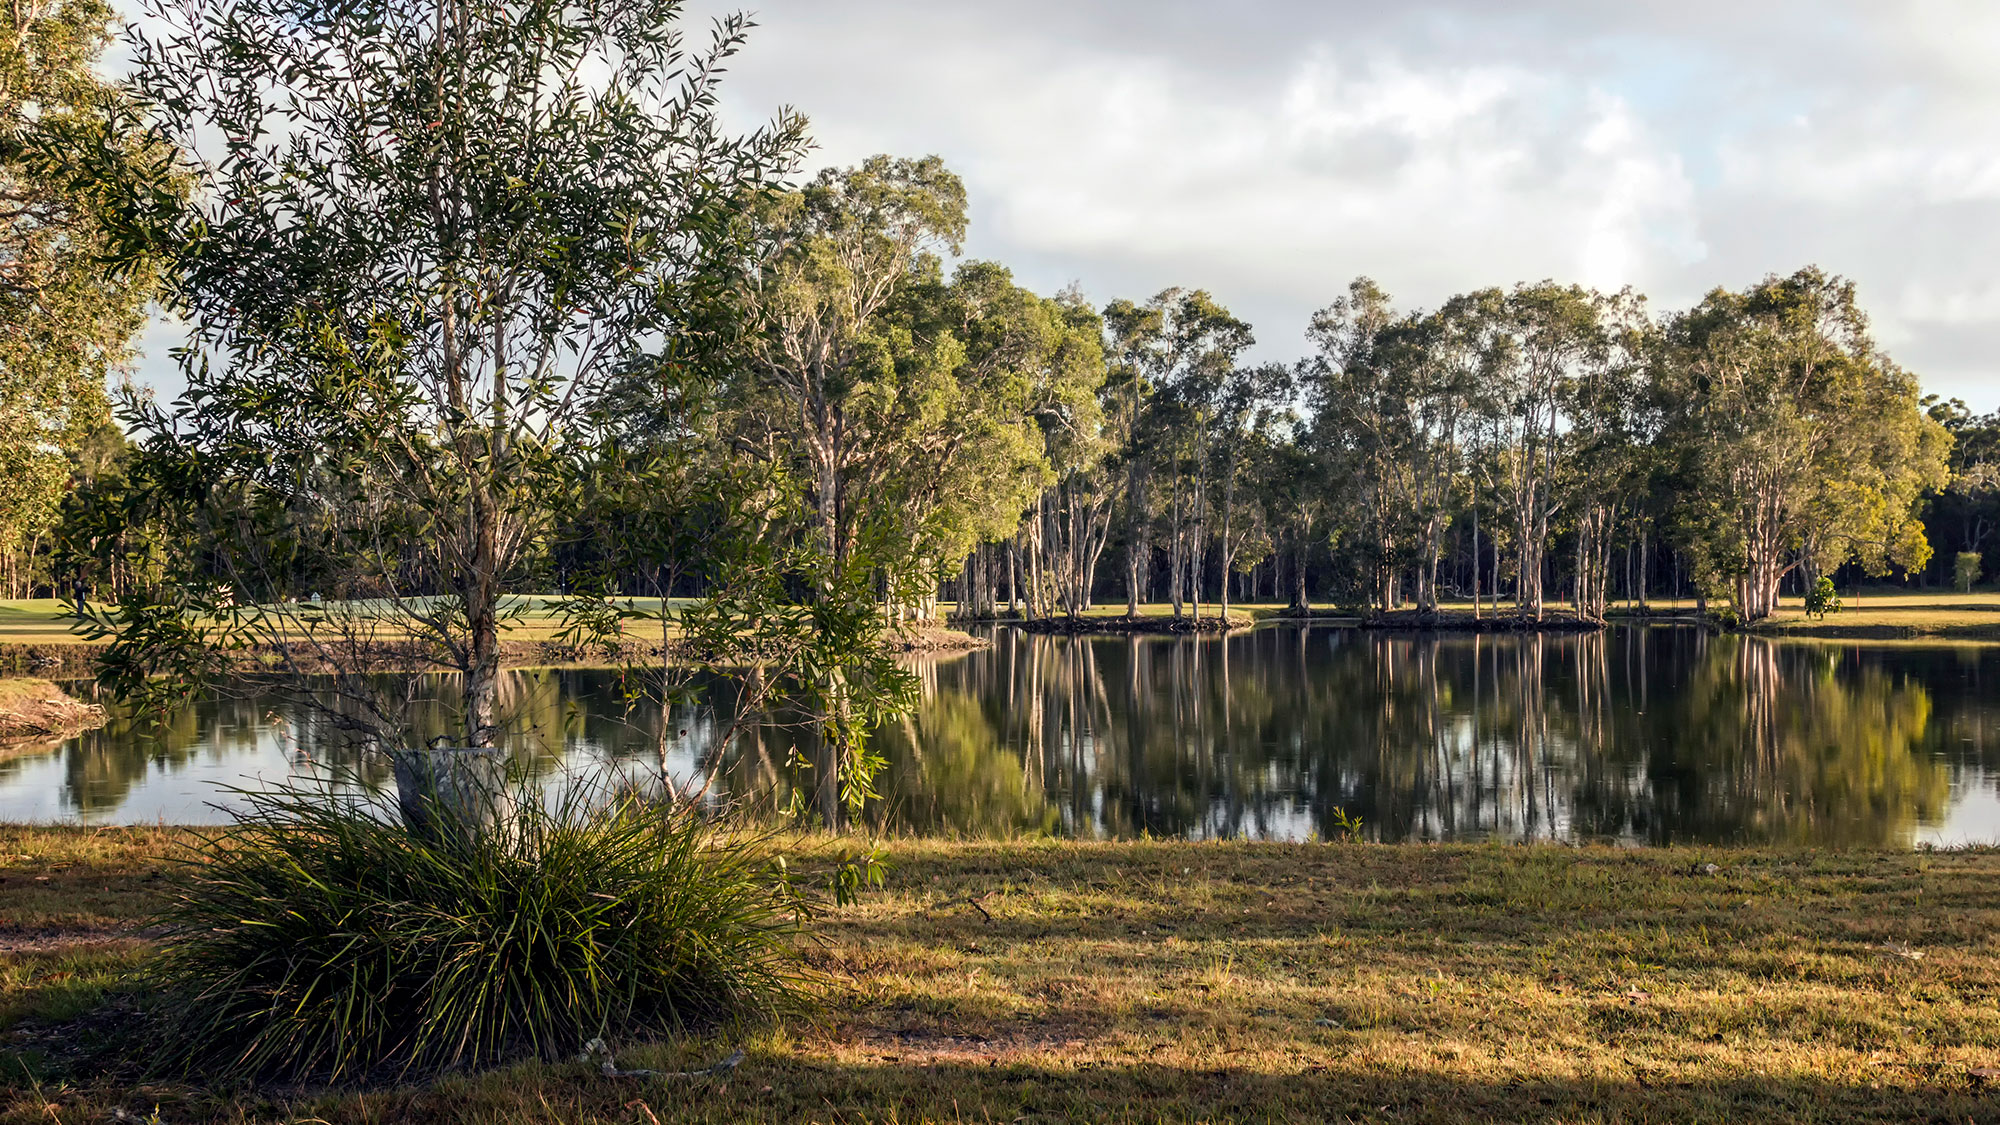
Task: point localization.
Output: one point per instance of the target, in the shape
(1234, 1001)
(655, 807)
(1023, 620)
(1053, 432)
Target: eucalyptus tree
(423, 238)
(1295, 484)
(72, 157)
(1551, 339)
(1610, 429)
(1246, 417)
(1070, 523)
(1802, 445)
(1196, 386)
(1397, 394)
(1452, 348)
(1355, 387)
(824, 351)
(1971, 501)
(917, 407)
(1133, 334)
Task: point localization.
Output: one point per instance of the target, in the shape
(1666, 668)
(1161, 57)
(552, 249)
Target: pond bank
(73, 661)
(1141, 625)
(1216, 982)
(35, 709)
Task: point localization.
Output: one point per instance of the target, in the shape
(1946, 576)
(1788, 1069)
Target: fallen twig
(973, 902)
(596, 1048)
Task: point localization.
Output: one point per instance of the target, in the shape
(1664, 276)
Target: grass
(19, 691)
(1892, 614)
(1045, 981)
(41, 621)
(34, 621)
(1885, 613)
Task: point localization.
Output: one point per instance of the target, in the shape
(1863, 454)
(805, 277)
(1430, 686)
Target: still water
(1641, 735)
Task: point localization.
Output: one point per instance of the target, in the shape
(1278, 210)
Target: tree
(1804, 446)
(1185, 346)
(426, 239)
(1133, 334)
(1357, 388)
(1553, 342)
(1070, 523)
(1243, 423)
(1609, 430)
(909, 402)
(1395, 395)
(1970, 504)
(821, 351)
(1296, 480)
(70, 150)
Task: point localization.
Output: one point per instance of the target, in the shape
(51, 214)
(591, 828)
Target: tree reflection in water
(1638, 734)
(1647, 735)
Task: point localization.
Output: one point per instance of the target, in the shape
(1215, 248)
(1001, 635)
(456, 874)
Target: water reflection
(1642, 735)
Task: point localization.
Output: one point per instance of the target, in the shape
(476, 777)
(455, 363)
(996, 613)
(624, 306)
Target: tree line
(551, 339)
(1510, 447)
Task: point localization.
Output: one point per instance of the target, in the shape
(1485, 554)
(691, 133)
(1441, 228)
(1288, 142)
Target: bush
(1822, 599)
(1965, 568)
(315, 939)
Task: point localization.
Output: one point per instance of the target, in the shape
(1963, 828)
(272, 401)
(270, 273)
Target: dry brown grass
(1196, 982)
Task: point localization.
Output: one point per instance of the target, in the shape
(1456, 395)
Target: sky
(1269, 151)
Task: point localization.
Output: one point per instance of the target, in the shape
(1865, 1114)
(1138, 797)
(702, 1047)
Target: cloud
(1269, 151)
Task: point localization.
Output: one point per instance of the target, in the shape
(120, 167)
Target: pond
(1637, 734)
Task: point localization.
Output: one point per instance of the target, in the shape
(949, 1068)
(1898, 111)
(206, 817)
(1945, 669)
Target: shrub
(1822, 599)
(314, 938)
(1965, 568)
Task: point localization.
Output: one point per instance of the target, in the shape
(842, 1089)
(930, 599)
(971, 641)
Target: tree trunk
(448, 795)
(1014, 601)
(1475, 557)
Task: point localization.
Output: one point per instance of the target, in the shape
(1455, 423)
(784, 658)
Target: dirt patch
(36, 710)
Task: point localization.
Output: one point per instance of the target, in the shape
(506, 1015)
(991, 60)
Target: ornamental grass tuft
(315, 939)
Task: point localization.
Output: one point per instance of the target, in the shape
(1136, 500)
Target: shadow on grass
(794, 1088)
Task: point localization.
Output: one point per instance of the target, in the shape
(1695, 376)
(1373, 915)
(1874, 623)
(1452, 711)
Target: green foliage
(1822, 599)
(315, 938)
(1965, 570)
(70, 155)
(1342, 826)
(905, 404)
(868, 871)
(425, 246)
(1186, 407)
(1800, 443)
(816, 632)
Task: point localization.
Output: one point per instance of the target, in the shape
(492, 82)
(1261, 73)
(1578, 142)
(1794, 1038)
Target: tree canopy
(70, 150)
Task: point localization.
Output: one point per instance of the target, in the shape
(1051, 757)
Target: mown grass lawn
(1195, 982)
(43, 621)
(1885, 614)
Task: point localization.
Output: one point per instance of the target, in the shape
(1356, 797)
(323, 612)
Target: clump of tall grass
(316, 938)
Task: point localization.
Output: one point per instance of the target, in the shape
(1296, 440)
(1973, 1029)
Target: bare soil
(35, 709)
